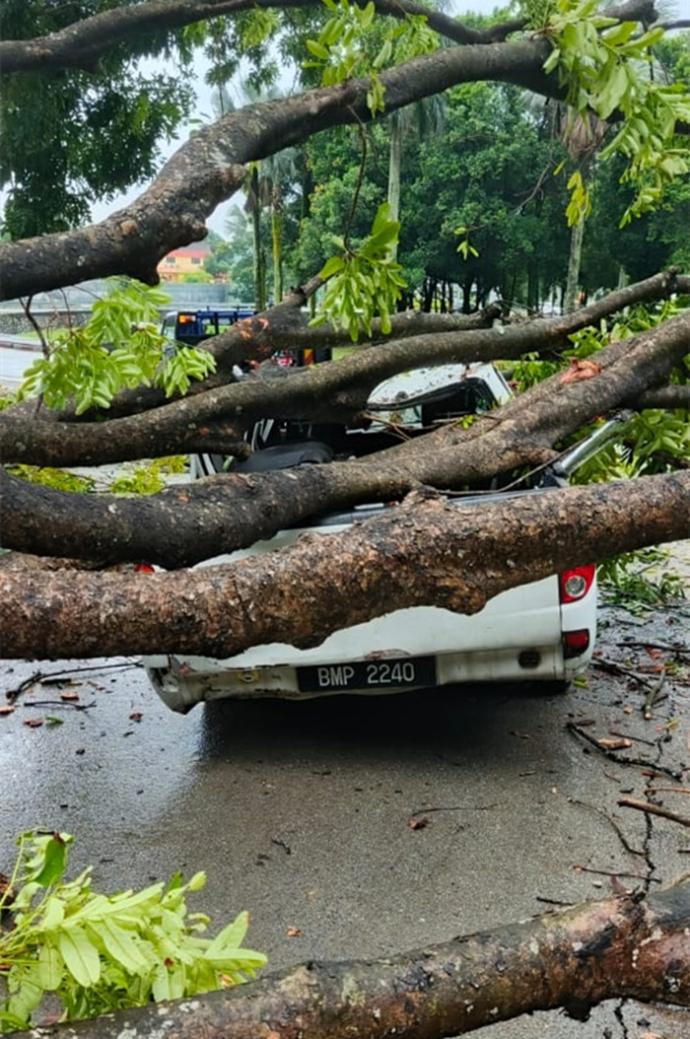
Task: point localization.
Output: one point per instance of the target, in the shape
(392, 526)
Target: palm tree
(423, 118)
(582, 138)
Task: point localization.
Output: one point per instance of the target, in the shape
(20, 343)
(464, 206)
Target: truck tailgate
(526, 615)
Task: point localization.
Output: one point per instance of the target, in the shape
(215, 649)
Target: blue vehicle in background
(191, 326)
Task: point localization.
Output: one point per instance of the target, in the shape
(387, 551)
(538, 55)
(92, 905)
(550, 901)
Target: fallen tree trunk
(337, 392)
(623, 948)
(184, 525)
(421, 553)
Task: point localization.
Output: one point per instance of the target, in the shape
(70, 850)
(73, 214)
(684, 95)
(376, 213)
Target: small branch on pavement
(619, 833)
(613, 873)
(61, 703)
(51, 676)
(677, 649)
(619, 758)
(652, 697)
(652, 809)
(613, 668)
(454, 808)
(636, 739)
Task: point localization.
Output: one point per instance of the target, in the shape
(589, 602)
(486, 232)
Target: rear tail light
(144, 568)
(575, 642)
(574, 584)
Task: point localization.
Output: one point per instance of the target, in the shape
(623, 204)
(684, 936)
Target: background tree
(76, 136)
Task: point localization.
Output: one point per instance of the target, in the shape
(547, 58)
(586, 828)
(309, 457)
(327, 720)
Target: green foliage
(349, 45)
(627, 579)
(96, 953)
(93, 133)
(120, 347)
(655, 441)
(7, 399)
(147, 479)
(600, 60)
(363, 283)
(58, 479)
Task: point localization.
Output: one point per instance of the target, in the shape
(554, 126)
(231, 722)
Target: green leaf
(231, 936)
(50, 967)
(54, 862)
(121, 946)
(317, 49)
(331, 266)
(80, 956)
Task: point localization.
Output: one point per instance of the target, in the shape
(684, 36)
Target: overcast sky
(203, 109)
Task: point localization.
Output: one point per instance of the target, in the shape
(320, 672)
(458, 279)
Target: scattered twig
(61, 703)
(40, 676)
(553, 901)
(637, 739)
(652, 809)
(12, 694)
(622, 759)
(613, 873)
(454, 808)
(613, 668)
(669, 790)
(619, 833)
(678, 650)
(652, 697)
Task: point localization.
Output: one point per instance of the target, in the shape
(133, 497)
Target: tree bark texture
(624, 948)
(421, 553)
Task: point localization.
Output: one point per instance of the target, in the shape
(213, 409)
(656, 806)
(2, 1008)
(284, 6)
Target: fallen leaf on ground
(579, 370)
(69, 696)
(620, 743)
(417, 824)
(294, 932)
(136, 716)
(6, 708)
(33, 723)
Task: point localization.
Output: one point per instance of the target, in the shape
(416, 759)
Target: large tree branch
(283, 327)
(617, 949)
(187, 524)
(210, 167)
(421, 553)
(329, 392)
(82, 43)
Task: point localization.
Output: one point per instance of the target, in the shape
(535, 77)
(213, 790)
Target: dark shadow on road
(462, 722)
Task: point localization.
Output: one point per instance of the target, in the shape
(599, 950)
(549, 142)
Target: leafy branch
(120, 347)
(347, 47)
(97, 953)
(363, 282)
(601, 61)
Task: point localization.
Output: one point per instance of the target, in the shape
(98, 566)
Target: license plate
(368, 674)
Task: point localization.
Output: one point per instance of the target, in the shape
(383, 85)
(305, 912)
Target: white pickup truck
(542, 632)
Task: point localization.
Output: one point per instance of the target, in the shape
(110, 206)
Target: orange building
(188, 259)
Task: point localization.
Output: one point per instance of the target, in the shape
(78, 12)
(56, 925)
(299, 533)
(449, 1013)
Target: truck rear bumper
(182, 683)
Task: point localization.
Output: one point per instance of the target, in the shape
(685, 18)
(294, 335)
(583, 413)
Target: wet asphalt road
(300, 811)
